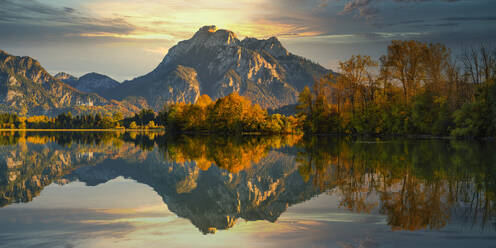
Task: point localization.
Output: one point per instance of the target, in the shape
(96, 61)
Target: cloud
(254, 18)
(470, 18)
(323, 3)
(367, 8)
(36, 14)
(419, 1)
(363, 37)
(171, 22)
(362, 6)
(69, 10)
(437, 25)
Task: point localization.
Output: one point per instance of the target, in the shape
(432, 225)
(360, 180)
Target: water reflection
(417, 184)
(216, 181)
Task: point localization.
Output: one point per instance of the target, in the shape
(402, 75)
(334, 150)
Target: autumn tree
(480, 62)
(405, 59)
(435, 63)
(356, 80)
(230, 114)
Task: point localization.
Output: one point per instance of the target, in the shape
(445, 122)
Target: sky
(128, 38)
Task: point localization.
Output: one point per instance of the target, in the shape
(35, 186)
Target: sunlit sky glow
(128, 38)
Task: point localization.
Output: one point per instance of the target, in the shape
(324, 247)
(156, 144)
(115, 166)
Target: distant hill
(215, 62)
(91, 82)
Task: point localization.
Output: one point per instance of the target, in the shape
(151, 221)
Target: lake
(149, 189)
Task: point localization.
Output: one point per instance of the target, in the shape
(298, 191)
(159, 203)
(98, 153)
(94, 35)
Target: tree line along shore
(416, 88)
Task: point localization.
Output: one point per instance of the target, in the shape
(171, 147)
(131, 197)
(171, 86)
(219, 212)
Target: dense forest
(62, 121)
(416, 88)
(230, 114)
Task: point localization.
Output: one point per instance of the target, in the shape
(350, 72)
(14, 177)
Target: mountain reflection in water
(215, 181)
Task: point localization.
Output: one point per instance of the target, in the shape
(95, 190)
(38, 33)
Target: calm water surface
(76, 189)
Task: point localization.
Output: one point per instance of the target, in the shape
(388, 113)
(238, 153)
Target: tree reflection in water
(420, 184)
(212, 180)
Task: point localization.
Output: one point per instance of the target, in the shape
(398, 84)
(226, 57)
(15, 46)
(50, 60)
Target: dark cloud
(363, 8)
(36, 14)
(419, 1)
(69, 10)
(28, 6)
(473, 18)
(438, 25)
(410, 22)
(367, 9)
(368, 13)
(421, 23)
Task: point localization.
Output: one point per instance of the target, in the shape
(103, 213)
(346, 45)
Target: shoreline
(384, 136)
(77, 130)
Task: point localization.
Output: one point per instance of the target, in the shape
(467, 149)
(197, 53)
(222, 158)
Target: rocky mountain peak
(65, 76)
(218, 64)
(27, 85)
(272, 45)
(211, 36)
(206, 38)
(23, 64)
(210, 29)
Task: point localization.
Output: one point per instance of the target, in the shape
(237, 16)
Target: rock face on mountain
(26, 87)
(66, 78)
(91, 82)
(215, 62)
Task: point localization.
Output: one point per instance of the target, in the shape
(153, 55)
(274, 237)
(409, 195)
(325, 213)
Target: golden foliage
(229, 153)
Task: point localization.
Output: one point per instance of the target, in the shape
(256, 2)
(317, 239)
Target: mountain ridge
(91, 82)
(26, 86)
(262, 70)
(213, 61)
(28, 89)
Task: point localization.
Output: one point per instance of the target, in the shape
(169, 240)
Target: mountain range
(213, 62)
(25, 86)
